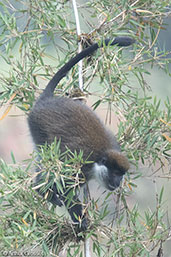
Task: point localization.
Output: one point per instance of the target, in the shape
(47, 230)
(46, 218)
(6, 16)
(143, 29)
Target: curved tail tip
(123, 41)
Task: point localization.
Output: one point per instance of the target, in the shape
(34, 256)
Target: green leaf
(161, 195)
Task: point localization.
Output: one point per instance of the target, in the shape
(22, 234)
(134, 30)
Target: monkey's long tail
(119, 41)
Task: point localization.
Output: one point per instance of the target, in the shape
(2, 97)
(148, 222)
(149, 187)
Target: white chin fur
(100, 172)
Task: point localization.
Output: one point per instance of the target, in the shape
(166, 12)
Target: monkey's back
(75, 124)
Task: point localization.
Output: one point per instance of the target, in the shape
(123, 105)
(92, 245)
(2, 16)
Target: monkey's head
(109, 170)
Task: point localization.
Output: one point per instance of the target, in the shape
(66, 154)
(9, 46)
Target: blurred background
(15, 137)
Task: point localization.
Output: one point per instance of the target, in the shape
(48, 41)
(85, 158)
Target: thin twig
(87, 241)
(80, 72)
(80, 64)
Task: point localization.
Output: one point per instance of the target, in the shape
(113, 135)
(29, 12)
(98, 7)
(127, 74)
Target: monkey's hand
(80, 220)
(80, 229)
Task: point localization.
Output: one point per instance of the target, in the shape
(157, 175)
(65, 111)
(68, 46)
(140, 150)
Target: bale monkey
(78, 128)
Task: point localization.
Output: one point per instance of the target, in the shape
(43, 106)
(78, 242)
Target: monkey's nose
(115, 183)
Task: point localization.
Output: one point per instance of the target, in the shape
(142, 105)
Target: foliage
(28, 224)
(34, 36)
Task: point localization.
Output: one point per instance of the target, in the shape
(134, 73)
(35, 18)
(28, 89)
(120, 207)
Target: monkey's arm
(53, 196)
(68, 198)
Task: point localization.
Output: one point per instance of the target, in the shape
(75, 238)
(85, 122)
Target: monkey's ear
(117, 160)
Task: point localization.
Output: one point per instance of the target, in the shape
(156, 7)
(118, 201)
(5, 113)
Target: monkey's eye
(103, 161)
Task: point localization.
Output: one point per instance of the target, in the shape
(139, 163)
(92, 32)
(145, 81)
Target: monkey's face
(110, 169)
(112, 181)
(107, 177)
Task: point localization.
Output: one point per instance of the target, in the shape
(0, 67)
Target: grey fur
(78, 128)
